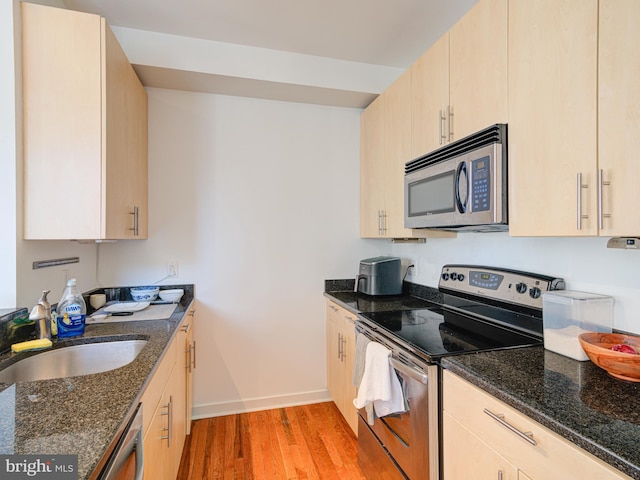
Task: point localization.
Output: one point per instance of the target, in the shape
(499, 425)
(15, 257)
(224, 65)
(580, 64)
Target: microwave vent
(494, 134)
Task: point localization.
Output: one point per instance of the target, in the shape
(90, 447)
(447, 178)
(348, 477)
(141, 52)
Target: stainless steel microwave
(461, 186)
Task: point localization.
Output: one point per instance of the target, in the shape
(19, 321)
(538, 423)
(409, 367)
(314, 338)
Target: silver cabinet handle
(449, 129)
(136, 221)
(350, 319)
(601, 214)
(188, 359)
(193, 355)
(169, 414)
(580, 187)
(384, 222)
(344, 344)
(499, 474)
(192, 312)
(441, 120)
(335, 309)
(498, 417)
(185, 328)
(339, 346)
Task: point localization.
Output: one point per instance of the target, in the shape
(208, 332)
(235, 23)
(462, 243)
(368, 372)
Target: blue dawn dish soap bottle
(71, 312)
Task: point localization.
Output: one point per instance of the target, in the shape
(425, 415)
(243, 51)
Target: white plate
(126, 307)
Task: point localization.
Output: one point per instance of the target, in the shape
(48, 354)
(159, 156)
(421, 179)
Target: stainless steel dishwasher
(127, 460)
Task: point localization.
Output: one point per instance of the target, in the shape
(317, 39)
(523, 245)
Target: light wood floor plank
(308, 442)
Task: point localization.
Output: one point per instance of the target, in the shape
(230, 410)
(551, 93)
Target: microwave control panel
(481, 184)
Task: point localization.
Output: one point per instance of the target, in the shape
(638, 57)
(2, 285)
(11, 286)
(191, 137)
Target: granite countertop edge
(96, 407)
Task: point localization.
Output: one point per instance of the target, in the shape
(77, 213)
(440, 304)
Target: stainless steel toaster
(379, 276)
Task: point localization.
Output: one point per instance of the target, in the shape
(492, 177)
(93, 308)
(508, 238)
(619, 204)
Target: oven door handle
(407, 370)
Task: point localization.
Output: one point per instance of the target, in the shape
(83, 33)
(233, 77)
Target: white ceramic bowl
(144, 294)
(174, 295)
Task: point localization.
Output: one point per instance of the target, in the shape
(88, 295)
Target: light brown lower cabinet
(166, 407)
(485, 438)
(341, 346)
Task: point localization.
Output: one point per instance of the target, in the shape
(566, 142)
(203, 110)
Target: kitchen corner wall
(258, 202)
(585, 264)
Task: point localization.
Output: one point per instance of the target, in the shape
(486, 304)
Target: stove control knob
(535, 292)
(454, 275)
(521, 287)
(460, 277)
(445, 276)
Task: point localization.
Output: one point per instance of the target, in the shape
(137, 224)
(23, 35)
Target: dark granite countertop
(413, 296)
(82, 415)
(577, 400)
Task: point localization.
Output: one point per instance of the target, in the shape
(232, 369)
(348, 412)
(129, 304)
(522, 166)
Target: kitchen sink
(73, 361)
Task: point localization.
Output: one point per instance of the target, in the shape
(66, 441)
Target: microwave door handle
(462, 169)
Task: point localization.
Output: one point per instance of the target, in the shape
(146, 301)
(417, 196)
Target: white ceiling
(382, 32)
(390, 34)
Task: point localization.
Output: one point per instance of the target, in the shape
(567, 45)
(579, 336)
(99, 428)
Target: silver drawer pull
(528, 436)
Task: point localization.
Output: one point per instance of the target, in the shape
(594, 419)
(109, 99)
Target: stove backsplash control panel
(505, 285)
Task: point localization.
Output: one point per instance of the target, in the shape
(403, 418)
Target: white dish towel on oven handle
(380, 392)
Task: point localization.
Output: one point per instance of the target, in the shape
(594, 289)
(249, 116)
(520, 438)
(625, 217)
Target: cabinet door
(547, 456)
(397, 148)
(619, 121)
(478, 69)
(429, 98)
(178, 388)
(465, 456)
(125, 145)
(62, 123)
(334, 366)
(158, 441)
(341, 343)
(552, 117)
(372, 169)
(190, 367)
(349, 392)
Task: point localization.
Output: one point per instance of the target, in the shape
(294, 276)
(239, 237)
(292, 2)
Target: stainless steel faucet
(41, 314)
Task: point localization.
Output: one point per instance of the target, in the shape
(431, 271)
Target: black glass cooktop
(439, 332)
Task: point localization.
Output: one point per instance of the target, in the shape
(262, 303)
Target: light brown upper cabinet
(385, 148)
(459, 85)
(619, 117)
(574, 129)
(553, 68)
(85, 130)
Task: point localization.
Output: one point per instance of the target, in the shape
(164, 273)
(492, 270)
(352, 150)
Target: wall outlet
(172, 268)
(413, 270)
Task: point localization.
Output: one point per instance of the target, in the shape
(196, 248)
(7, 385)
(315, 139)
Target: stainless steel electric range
(484, 309)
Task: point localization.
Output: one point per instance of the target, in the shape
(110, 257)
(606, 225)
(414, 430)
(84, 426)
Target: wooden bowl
(625, 366)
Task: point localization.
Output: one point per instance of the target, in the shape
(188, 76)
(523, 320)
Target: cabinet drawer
(551, 457)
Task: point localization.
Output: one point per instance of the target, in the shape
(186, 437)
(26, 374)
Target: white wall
(585, 264)
(20, 285)
(258, 202)
(9, 141)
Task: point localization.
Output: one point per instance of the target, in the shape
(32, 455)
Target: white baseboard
(256, 404)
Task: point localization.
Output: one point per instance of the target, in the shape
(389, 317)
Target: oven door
(405, 445)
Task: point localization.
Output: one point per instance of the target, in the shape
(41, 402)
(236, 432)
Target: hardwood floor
(305, 442)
